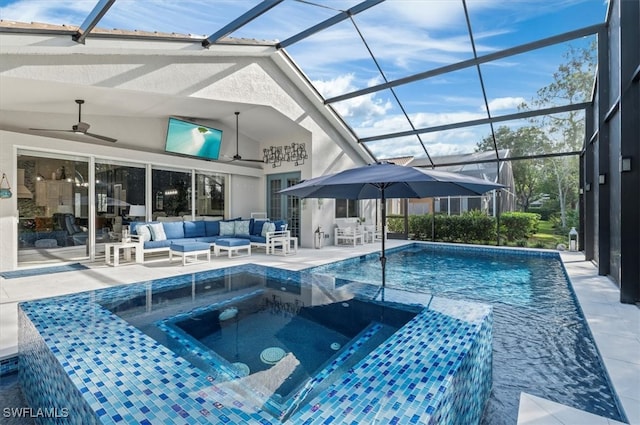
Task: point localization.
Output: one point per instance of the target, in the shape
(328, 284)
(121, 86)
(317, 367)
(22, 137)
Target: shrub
(519, 225)
(472, 226)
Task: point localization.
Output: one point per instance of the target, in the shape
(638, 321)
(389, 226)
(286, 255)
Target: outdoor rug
(42, 270)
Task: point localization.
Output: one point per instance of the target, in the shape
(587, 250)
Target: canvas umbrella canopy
(385, 180)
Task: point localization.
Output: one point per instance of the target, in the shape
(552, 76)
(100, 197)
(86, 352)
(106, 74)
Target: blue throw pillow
(267, 227)
(173, 229)
(257, 227)
(212, 228)
(194, 229)
(241, 228)
(227, 228)
(279, 224)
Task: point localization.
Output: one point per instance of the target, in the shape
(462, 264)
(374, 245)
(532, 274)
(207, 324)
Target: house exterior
(131, 85)
(479, 165)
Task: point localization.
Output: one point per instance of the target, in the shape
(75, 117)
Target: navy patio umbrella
(385, 180)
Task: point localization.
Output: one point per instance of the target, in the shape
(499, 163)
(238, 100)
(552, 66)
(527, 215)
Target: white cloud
(504, 103)
(363, 109)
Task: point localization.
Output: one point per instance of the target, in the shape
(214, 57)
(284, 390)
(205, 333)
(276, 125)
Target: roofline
(36, 28)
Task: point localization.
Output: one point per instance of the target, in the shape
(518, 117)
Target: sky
(406, 37)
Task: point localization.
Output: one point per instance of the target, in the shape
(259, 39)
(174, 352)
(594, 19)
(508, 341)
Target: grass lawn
(546, 238)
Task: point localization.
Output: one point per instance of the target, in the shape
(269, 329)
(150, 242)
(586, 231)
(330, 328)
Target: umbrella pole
(383, 259)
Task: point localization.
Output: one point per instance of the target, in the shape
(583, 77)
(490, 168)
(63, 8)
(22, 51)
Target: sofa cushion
(142, 230)
(208, 239)
(157, 232)
(257, 227)
(227, 228)
(258, 239)
(212, 228)
(173, 229)
(182, 240)
(241, 228)
(233, 242)
(157, 244)
(194, 229)
(267, 227)
(189, 246)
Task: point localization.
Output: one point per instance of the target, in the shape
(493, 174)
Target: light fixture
(587, 187)
(295, 152)
(23, 192)
(625, 163)
(602, 178)
(137, 211)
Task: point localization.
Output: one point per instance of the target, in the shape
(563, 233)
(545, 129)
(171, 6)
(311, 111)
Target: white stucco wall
(131, 77)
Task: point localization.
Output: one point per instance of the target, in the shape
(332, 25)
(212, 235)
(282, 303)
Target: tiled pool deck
(614, 325)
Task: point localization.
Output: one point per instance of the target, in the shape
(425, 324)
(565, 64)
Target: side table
(126, 247)
(284, 243)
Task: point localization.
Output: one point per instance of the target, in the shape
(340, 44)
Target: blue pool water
(541, 342)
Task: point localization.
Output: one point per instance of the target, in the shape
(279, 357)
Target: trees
(527, 175)
(572, 83)
(558, 133)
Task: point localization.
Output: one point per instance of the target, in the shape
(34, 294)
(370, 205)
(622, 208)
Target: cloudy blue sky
(405, 36)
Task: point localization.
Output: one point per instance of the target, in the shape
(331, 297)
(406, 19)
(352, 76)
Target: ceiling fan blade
(105, 138)
(79, 128)
(52, 129)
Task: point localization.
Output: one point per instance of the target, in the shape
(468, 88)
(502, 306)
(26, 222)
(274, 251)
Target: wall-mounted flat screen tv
(187, 138)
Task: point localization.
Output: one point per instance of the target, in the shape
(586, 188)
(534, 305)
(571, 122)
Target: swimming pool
(542, 344)
(136, 354)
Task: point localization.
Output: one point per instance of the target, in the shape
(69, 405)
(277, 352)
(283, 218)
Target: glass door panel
(118, 186)
(52, 208)
(283, 207)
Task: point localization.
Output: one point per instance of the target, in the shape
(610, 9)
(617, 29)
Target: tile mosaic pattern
(8, 366)
(226, 372)
(77, 355)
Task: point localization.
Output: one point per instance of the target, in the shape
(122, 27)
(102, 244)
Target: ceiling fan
(237, 156)
(79, 128)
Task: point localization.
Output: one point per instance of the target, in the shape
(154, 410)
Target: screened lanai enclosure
(546, 93)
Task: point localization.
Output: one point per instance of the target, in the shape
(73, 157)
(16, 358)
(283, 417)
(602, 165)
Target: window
(346, 208)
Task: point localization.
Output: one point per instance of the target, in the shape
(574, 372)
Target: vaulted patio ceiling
(420, 78)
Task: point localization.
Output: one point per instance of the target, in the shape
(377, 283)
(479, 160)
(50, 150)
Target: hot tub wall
(435, 370)
(44, 382)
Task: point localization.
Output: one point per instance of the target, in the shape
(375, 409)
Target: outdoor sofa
(156, 236)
